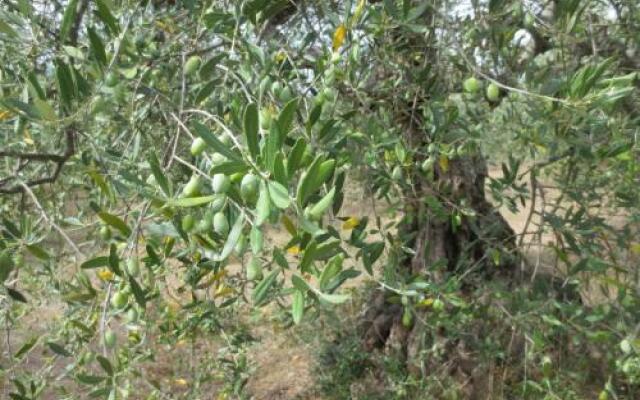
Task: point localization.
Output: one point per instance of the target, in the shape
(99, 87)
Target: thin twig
(28, 190)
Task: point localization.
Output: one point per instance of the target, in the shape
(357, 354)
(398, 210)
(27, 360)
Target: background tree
(173, 135)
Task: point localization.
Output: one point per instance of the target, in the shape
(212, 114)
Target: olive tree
(144, 138)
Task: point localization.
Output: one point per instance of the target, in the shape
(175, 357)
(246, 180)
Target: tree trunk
(468, 251)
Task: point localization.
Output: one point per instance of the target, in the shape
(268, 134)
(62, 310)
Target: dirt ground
(283, 363)
(281, 360)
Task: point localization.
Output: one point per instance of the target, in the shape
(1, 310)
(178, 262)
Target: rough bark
(467, 250)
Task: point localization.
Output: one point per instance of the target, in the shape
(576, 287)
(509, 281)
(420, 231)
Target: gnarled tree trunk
(467, 248)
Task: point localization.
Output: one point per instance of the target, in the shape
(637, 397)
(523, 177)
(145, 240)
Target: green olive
(438, 305)
(132, 315)
(249, 188)
(187, 223)
(254, 269)
(217, 159)
(471, 85)
(266, 119)
(493, 92)
(111, 79)
(192, 187)
(119, 299)
(197, 146)
(133, 267)
(220, 224)
(110, 339)
(105, 233)
(217, 205)
(192, 65)
(220, 183)
(407, 318)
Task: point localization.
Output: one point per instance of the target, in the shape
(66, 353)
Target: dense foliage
(149, 149)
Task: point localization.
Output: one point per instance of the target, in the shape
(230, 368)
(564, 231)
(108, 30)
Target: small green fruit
(206, 223)
(187, 223)
(427, 165)
(132, 315)
(217, 159)
(286, 95)
(18, 260)
(217, 205)
(493, 92)
(110, 339)
(407, 318)
(438, 305)
(198, 146)
(192, 65)
(105, 233)
(249, 188)
(237, 177)
(265, 119)
(604, 395)
(192, 187)
(133, 267)
(471, 85)
(119, 299)
(220, 183)
(254, 269)
(220, 224)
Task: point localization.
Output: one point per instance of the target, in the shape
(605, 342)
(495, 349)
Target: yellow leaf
(223, 291)
(27, 138)
(214, 278)
(351, 223)
(635, 249)
(105, 274)
(425, 303)
(444, 163)
(294, 250)
(165, 27)
(4, 115)
(338, 37)
(181, 382)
